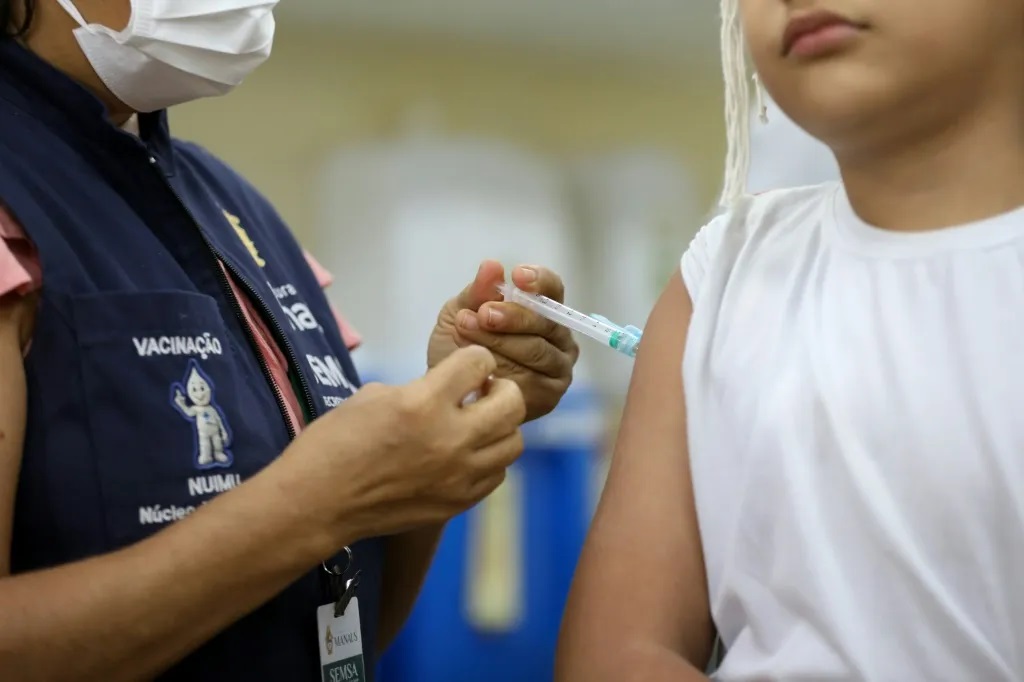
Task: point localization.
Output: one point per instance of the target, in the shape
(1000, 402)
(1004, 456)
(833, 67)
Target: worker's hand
(393, 458)
(536, 353)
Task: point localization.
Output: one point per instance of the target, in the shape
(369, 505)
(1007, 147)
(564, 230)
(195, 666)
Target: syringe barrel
(599, 329)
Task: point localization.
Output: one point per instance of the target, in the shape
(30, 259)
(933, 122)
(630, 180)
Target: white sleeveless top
(855, 404)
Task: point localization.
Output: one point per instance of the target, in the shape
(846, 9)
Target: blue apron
(146, 397)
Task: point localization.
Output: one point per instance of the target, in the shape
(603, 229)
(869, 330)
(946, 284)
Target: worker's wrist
(319, 526)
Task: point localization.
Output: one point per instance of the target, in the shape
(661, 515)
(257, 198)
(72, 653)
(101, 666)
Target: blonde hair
(737, 104)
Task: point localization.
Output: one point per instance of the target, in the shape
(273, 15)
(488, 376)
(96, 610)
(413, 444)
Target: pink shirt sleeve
(324, 278)
(20, 271)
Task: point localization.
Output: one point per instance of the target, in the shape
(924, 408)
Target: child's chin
(844, 117)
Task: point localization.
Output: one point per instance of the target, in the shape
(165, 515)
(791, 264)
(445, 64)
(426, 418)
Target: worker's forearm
(130, 614)
(407, 560)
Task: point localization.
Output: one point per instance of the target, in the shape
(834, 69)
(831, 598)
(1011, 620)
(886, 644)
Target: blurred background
(406, 140)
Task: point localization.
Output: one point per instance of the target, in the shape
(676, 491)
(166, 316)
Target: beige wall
(324, 90)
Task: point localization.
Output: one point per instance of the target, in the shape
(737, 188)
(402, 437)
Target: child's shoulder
(780, 209)
(787, 219)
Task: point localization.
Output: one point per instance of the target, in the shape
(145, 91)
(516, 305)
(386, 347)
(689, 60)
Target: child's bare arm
(639, 603)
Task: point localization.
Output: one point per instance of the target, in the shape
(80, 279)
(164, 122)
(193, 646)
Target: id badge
(341, 644)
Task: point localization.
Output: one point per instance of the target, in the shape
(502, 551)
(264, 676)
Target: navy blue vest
(146, 397)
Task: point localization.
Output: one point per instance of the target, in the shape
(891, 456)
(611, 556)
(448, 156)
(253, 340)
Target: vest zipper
(237, 307)
(276, 328)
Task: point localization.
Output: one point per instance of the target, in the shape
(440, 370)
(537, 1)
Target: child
(840, 496)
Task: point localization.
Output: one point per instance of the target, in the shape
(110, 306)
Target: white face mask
(176, 51)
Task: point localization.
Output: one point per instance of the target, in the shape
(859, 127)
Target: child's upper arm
(640, 583)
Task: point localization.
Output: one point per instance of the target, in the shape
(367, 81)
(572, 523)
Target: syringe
(625, 340)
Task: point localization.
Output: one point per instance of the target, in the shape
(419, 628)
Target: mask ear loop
(119, 36)
(70, 8)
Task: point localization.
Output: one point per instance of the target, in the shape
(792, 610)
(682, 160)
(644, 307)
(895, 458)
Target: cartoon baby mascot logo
(194, 400)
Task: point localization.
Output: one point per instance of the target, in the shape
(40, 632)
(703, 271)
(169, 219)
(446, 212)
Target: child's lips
(816, 33)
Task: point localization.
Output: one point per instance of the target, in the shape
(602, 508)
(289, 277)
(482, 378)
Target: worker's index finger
(464, 371)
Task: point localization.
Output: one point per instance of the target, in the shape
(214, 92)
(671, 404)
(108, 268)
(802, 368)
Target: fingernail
(528, 274)
(494, 317)
(467, 320)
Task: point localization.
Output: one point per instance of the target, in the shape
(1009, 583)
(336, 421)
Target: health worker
(191, 486)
